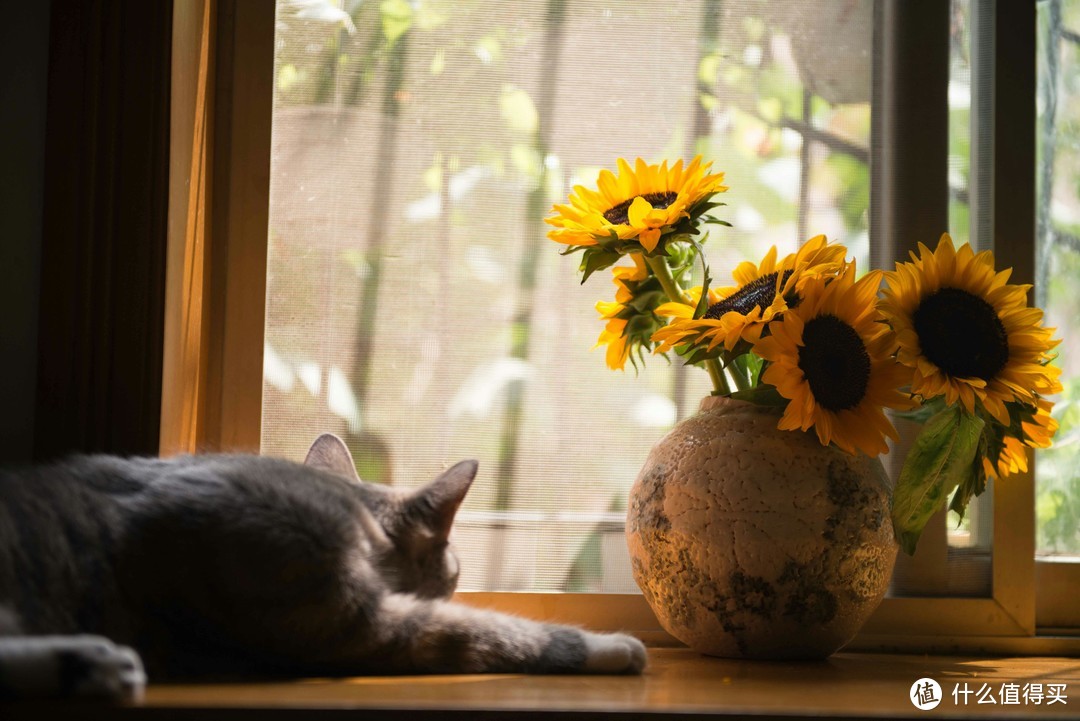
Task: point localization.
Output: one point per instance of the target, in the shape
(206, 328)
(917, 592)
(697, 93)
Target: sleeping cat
(227, 565)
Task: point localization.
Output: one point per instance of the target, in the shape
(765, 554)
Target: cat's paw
(614, 653)
(98, 667)
(62, 666)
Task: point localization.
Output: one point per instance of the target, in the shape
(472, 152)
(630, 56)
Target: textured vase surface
(752, 542)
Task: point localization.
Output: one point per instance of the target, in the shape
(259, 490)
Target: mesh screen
(1057, 501)
(415, 306)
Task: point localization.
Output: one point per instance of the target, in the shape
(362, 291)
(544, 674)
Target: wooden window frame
(218, 222)
(222, 77)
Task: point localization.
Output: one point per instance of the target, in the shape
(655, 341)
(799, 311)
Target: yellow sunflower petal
(966, 333)
(667, 194)
(649, 238)
(675, 310)
(639, 210)
(836, 374)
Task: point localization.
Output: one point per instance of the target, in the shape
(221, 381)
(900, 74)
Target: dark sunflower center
(759, 293)
(620, 214)
(961, 334)
(835, 362)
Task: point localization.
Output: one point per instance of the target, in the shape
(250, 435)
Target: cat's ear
(329, 453)
(438, 501)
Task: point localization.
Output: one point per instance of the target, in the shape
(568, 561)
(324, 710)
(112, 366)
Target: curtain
(104, 229)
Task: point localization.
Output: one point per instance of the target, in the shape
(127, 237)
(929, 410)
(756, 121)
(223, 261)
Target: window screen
(1057, 501)
(415, 306)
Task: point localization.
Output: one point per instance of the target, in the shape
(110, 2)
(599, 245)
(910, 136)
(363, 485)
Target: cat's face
(420, 561)
(409, 531)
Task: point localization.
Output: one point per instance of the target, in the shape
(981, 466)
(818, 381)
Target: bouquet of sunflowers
(944, 338)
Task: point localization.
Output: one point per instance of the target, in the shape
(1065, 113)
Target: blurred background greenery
(1058, 265)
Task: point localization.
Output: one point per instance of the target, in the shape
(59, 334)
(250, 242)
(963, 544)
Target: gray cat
(230, 565)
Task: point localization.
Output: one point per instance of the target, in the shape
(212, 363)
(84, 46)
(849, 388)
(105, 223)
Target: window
(416, 148)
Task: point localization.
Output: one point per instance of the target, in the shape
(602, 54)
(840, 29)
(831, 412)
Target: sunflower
(832, 359)
(639, 203)
(1037, 428)
(967, 333)
(762, 292)
(685, 329)
(625, 278)
(629, 323)
(614, 335)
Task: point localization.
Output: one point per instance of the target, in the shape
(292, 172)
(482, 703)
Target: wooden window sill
(678, 683)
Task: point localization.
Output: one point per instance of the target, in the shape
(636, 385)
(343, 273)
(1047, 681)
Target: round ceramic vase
(752, 542)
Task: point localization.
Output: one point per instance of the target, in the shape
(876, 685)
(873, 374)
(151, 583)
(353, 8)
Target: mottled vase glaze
(752, 542)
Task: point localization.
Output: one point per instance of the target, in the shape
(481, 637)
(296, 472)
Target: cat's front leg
(66, 666)
(423, 636)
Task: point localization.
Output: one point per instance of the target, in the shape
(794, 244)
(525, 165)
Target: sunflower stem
(739, 378)
(716, 373)
(662, 271)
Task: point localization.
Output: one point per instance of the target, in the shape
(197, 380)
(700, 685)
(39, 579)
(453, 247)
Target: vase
(752, 542)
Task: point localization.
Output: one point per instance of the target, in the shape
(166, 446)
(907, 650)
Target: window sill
(677, 683)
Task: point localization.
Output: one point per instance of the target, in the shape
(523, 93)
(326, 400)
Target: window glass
(414, 304)
(971, 77)
(960, 91)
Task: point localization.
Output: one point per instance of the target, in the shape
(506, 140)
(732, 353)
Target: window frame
(223, 71)
(223, 65)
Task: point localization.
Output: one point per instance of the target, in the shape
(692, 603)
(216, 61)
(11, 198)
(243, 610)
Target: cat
(219, 566)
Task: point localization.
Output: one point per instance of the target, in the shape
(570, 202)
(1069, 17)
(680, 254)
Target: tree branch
(826, 138)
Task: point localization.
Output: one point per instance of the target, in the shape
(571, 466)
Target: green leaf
(612, 241)
(701, 354)
(749, 366)
(397, 17)
(703, 302)
(763, 395)
(595, 259)
(704, 207)
(644, 302)
(974, 482)
(706, 280)
(641, 326)
(938, 462)
(921, 414)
